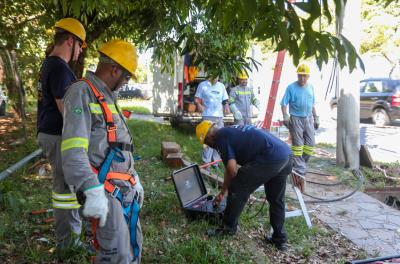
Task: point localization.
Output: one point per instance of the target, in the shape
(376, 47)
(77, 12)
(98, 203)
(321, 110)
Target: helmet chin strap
(71, 61)
(117, 83)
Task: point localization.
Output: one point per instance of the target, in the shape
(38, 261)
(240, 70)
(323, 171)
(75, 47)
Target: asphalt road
(382, 142)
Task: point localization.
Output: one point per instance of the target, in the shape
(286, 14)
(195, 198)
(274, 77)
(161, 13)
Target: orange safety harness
(131, 212)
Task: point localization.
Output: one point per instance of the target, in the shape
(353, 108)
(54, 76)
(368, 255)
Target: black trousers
(248, 179)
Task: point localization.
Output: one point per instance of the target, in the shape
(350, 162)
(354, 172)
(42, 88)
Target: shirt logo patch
(214, 92)
(77, 110)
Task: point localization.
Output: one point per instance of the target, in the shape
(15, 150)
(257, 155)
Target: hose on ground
(360, 182)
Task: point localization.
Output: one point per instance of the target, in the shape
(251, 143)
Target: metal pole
(19, 164)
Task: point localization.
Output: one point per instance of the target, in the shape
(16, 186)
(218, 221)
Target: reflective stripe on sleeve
(63, 196)
(297, 150)
(309, 150)
(96, 108)
(64, 200)
(75, 142)
(65, 205)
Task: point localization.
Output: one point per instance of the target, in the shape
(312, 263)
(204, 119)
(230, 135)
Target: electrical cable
(360, 182)
(356, 173)
(259, 210)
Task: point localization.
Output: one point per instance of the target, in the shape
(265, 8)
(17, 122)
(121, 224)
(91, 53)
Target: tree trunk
(14, 86)
(348, 110)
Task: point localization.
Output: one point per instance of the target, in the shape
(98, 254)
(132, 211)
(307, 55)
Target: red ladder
(274, 90)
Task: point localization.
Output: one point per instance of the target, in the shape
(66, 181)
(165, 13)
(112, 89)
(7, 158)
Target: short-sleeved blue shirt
(250, 144)
(55, 77)
(300, 99)
(212, 96)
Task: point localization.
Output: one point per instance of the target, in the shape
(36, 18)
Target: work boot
(281, 246)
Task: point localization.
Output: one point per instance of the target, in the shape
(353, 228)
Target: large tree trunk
(348, 111)
(14, 86)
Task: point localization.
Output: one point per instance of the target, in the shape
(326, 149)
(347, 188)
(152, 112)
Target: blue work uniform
(265, 160)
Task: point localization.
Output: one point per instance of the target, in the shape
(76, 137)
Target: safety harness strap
(111, 127)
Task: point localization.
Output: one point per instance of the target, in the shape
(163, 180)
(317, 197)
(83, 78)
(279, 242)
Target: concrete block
(174, 160)
(169, 147)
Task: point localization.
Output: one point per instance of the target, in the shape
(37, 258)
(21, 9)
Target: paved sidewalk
(368, 223)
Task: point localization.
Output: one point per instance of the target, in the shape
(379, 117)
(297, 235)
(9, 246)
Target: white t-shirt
(212, 96)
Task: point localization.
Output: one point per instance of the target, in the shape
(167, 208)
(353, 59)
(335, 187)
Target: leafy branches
(290, 26)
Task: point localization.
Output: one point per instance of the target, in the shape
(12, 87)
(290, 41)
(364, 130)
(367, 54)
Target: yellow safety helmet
(73, 26)
(303, 69)
(123, 53)
(202, 130)
(243, 75)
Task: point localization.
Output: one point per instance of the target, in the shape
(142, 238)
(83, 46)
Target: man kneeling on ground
(264, 159)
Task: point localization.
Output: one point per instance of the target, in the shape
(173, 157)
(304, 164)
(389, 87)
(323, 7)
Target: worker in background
(264, 160)
(97, 155)
(211, 100)
(302, 119)
(241, 98)
(55, 77)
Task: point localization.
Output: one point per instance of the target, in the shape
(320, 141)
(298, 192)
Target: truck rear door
(165, 89)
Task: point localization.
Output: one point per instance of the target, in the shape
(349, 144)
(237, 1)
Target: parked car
(3, 103)
(379, 100)
(130, 91)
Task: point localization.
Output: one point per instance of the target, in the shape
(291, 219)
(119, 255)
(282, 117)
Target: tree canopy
(380, 31)
(216, 33)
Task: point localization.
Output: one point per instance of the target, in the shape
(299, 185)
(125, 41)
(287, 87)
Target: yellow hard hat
(73, 26)
(202, 130)
(303, 69)
(123, 53)
(243, 75)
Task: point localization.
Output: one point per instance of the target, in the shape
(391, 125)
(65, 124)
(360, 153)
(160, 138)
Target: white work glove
(139, 189)
(96, 204)
(238, 115)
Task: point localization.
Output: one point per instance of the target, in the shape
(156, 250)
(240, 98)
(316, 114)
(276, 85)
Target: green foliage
(23, 27)
(216, 33)
(280, 22)
(380, 28)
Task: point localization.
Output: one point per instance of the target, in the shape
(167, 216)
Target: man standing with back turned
(302, 120)
(55, 77)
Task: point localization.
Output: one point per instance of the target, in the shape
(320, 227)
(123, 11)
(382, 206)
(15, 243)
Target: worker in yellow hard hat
(264, 160)
(55, 76)
(241, 100)
(302, 119)
(97, 156)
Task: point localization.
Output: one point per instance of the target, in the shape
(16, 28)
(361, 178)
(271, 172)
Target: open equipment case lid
(189, 184)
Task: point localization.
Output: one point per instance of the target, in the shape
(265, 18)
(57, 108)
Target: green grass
(137, 106)
(373, 178)
(169, 237)
(137, 109)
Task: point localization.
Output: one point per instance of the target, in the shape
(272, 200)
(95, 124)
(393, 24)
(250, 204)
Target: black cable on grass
(360, 182)
(259, 210)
